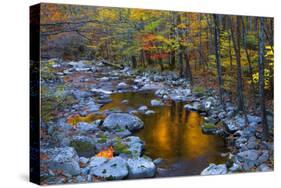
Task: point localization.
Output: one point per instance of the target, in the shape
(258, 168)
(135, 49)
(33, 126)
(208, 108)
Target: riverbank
(87, 142)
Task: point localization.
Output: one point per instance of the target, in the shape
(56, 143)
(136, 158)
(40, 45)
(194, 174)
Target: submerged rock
(122, 120)
(213, 169)
(141, 168)
(65, 159)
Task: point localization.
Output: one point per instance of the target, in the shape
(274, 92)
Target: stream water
(173, 134)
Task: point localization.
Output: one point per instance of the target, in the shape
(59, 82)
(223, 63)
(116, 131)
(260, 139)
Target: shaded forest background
(233, 54)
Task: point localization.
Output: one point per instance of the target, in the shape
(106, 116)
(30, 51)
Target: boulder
(104, 79)
(253, 120)
(83, 161)
(95, 162)
(124, 101)
(143, 108)
(195, 106)
(157, 161)
(213, 169)
(65, 159)
(151, 86)
(122, 85)
(100, 91)
(135, 145)
(85, 146)
(122, 120)
(85, 127)
(113, 169)
(141, 168)
(264, 168)
(248, 159)
(91, 107)
(209, 128)
(263, 157)
(78, 94)
(161, 92)
(252, 143)
(156, 102)
(149, 112)
(231, 126)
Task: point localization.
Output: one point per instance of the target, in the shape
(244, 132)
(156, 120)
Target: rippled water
(173, 134)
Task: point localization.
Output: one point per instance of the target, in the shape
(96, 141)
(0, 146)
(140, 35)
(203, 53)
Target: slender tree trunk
(160, 61)
(180, 51)
(172, 60)
(218, 62)
(134, 62)
(188, 72)
(181, 62)
(230, 51)
(249, 62)
(200, 44)
(236, 45)
(261, 78)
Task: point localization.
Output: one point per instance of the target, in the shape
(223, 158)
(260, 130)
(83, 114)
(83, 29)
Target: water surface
(173, 134)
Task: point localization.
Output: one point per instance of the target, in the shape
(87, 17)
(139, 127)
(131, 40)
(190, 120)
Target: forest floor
(102, 123)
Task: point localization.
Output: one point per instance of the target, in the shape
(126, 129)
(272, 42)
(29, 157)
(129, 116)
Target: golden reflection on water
(173, 133)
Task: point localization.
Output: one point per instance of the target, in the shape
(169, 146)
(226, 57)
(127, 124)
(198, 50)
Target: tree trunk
(160, 61)
(230, 51)
(188, 72)
(261, 78)
(181, 62)
(134, 62)
(249, 62)
(172, 60)
(236, 45)
(218, 62)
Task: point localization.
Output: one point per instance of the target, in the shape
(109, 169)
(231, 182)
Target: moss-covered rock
(209, 128)
(83, 145)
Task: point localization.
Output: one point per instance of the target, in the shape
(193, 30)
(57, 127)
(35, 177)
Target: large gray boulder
(122, 120)
(85, 127)
(141, 168)
(84, 145)
(135, 145)
(249, 159)
(213, 169)
(95, 162)
(113, 169)
(65, 159)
